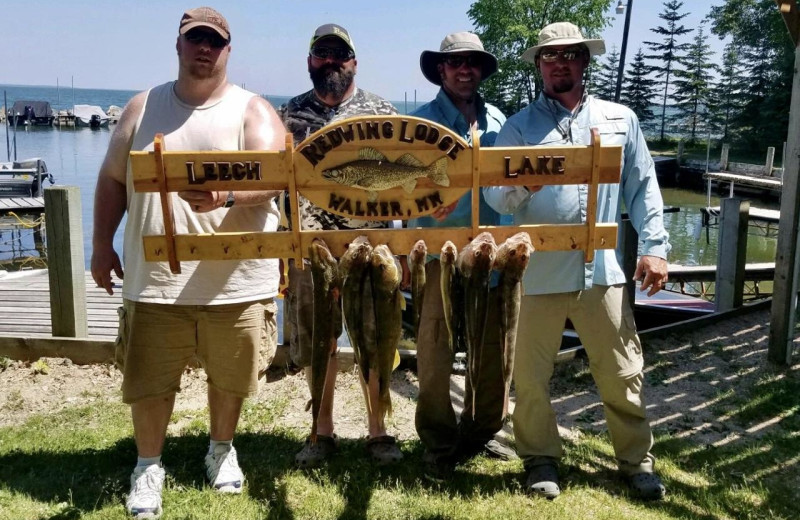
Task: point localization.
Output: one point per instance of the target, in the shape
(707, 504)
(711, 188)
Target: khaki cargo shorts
(233, 343)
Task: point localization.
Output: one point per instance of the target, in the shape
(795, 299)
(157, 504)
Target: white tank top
(217, 126)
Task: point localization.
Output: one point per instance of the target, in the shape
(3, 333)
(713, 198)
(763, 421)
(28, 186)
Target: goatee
(331, 80)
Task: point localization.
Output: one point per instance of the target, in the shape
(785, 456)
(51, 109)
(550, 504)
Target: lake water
(74, 157)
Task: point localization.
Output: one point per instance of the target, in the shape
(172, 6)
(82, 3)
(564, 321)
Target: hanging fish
(388, 308)
(512, 260)
(416, 264)
(327, 322)
(354, 272)
(475, 265)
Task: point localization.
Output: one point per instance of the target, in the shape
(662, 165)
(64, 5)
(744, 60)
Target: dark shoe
(312, 455)
(543, 481)
(438, 468)
(492, 448)
(646, 486)
(384, 450)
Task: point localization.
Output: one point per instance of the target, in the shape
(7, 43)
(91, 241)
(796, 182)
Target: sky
(129, 45)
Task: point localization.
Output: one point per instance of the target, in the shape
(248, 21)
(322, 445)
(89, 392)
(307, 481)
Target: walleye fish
(416, 263)
(452, 294)
(475, 265)
(512, 260)
(327, 319)
(354, 272)
(373, 172)
(388, 307)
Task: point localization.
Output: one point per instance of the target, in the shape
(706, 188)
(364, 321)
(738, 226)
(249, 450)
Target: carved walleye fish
(373, 172)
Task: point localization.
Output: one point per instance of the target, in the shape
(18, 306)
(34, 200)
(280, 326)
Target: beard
(562, 85)
(331, 80)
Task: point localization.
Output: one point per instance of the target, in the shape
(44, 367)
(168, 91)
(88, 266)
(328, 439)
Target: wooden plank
(21, 203)
(770, 183)
(787, 263)
(545, 237)
(731, 255)
(65, 260)
(80, 351)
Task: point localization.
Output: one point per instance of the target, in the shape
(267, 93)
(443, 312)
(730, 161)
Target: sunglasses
(338, 54)
(551, 55)
(472, 60)
(214, 40)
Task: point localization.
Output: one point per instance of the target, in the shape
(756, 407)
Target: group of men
(223, 313)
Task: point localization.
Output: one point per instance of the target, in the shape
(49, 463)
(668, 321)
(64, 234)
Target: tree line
(742, 96)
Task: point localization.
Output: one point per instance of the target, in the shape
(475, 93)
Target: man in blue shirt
(459, 68)
(560, 285)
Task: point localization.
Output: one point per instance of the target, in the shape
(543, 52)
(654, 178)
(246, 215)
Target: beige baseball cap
(205, 17)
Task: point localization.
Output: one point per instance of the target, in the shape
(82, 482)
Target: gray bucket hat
(563, 33)
(456, 42)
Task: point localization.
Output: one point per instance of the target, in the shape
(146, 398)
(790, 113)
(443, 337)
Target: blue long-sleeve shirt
(546, 122)
(442, 110)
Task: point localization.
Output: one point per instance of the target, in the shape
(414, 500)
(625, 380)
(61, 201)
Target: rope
(28, 223)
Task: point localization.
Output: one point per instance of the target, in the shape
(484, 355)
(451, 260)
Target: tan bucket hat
(563, 33)
(456, 42)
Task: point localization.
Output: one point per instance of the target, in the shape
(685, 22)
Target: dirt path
(688, 377)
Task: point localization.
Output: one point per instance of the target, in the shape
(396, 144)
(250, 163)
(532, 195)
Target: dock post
(770, 161)
(681, 147)
(723, 158)
(65, 262)
(732, 254)
(629, 245)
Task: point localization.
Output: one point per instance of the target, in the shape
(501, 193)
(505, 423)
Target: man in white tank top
(220, 312)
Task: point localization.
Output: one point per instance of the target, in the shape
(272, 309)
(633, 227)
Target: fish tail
(438, 172)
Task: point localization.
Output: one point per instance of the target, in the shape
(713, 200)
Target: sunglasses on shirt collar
(215, 41)
(338, 54)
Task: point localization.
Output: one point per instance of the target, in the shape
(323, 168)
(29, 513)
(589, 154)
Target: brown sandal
(384, 450)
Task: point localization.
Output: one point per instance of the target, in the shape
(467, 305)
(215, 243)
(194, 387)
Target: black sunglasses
(472, 60)
(551, 55)
(338, 54)
(215, 41)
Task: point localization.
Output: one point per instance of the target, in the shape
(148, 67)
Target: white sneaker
(223, 471)
(144, 500)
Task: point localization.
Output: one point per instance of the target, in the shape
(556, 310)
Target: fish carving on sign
(373, 172)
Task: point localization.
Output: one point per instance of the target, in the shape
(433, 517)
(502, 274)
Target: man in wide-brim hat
(560, 285)
(459, 67)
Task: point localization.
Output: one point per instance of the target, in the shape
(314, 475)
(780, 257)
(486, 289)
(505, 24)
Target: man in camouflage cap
(332, 66)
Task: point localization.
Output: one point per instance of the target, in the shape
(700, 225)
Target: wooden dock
(25, 306)
(21, 204)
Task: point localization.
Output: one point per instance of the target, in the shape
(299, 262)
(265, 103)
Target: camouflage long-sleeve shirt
(305, 114)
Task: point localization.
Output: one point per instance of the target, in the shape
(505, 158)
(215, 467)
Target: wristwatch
(230, 200)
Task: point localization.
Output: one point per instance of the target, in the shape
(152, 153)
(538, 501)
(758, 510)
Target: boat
(23, 178)
(91, 116)
(36, 113)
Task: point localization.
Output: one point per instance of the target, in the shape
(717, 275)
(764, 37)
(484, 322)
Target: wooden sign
(376, 168)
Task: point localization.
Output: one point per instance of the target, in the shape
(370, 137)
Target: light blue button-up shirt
(442, 110)
(546, 122)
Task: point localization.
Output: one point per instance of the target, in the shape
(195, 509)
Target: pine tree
(668, 51)
(639, 89)
(693, 82)
(725, 100)
(766, 57)
(604, 81)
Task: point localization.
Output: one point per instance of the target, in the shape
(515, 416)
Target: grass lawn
(76, 464)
